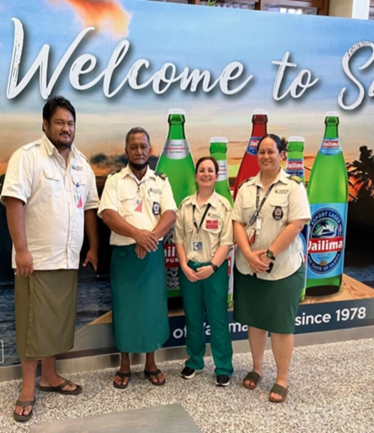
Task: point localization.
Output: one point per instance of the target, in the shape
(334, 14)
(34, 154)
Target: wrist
(213, 266)
(270, 254)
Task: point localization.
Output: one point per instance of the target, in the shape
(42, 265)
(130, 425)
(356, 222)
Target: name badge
(211, 224)
(197, 246)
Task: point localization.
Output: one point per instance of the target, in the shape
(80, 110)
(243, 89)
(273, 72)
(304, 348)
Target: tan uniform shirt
(287, 199)
(55, 196)
(216, 230)
(139, 202)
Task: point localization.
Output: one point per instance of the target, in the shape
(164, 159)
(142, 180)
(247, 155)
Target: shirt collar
(282, 176)
(128, 172)
(192, 200)
(51, 149)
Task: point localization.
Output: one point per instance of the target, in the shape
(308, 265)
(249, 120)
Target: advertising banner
(230, 75)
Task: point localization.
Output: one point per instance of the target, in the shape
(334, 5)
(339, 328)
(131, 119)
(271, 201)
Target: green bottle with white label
(218, 150)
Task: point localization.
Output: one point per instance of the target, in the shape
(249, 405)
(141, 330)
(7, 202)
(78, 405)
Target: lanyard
(202, 219)
(259, 205)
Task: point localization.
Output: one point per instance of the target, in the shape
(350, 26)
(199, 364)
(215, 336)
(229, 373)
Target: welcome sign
(126, 63)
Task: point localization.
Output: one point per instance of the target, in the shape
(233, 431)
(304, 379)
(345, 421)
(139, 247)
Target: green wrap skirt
(139, 297)
(268, 305)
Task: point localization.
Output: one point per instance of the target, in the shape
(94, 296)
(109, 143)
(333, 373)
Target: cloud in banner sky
(107, 15)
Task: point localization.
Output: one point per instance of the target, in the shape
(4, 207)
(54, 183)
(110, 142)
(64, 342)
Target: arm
(165, 224)
(146, 239)
(252, 257)
(285, 238)
(219, 257)
(90, 224)
(15, 212)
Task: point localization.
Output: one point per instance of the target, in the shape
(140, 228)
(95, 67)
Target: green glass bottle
(218, 150)
(328, 198)
(176, 161)
(295, 167)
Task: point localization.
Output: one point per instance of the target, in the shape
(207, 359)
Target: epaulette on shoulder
(160, 174)
(83, 156)
(114, 172)
(296, 179)
(245, 181)
(184, 200)
(29, 146)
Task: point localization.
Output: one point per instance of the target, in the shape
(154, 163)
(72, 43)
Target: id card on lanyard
(255, 220)
(198, 245)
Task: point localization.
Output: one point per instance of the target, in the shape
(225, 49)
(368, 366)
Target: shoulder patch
(30, 146)
(83, 156)
(296, 179)
(245, 181)
(160, 174)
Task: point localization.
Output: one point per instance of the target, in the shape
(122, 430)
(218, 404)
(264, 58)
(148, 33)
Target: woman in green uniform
(270, 211)
(203, 236)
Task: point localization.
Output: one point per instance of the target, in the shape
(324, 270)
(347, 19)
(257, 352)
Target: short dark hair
(57, 102)
(137, 130)
(207, 158)
(280, 142)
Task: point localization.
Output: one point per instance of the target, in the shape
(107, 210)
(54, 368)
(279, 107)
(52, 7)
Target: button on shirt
(215, 231)
(287, 198)
(55, 196)
(139, 202)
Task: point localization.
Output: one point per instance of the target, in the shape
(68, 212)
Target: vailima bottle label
(222, 170)
(252, 145)
(331, 146)
(326, 240)
(295, 167)
(176, 149)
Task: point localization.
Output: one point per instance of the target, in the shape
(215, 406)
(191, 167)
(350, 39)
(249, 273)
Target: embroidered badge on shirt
(77, 167)
(211, 224)
(278, 213)
(139, 206)
(156, 208)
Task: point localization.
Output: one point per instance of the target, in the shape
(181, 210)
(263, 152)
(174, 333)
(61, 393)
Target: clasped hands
(258, 261)
(201, 273)
(146, 242)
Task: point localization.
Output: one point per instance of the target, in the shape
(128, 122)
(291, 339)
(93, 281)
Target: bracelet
(215, 267)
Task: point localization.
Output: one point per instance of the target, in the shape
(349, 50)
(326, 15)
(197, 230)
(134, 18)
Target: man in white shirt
(50, 197)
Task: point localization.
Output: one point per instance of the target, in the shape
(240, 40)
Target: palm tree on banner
(361, 174)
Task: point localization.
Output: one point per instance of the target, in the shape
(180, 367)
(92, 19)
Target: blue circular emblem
(326, 240)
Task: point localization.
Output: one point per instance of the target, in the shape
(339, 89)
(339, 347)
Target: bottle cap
(218, 140)
(260, 111)
(177, 111)
(332, 114)
(296, 138)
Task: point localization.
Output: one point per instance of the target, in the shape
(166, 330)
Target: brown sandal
(24, 404)
(253, 377)
(280, 390)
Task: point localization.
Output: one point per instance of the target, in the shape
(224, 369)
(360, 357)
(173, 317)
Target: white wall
(349, 8)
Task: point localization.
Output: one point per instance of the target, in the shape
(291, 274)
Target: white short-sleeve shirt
(55, 196)
(139, 202)
(287, 199)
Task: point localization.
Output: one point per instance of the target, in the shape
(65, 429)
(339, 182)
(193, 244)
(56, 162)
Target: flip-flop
(122, 376)
(24, 404)
(253, 377)
(280, 390)
(60, 388)
(150, 374)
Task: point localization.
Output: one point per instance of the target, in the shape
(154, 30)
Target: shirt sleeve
(227, 233)
(92, 201)
(237, 214)
(18, 177)
(167, 199)
(298, 205)
(178, 235)
(109, 198)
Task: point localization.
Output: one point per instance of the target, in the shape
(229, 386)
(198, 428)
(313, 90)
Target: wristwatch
(215, 267)
(270, 255)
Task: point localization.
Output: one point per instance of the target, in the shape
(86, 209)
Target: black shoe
(189, 373)
(222, 380)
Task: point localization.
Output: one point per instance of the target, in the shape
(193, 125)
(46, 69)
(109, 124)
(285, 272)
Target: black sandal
(280, 390)
(122, 376)
(254, 377)
(150, 374)
(23, 404)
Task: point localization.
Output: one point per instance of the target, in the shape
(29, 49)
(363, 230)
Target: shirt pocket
(248, 209)
(129, 204)
(79, 189)
(154, 203)
(52, 184)
(279, 209)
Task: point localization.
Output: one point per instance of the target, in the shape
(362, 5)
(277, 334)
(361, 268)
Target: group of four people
(50, 197)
